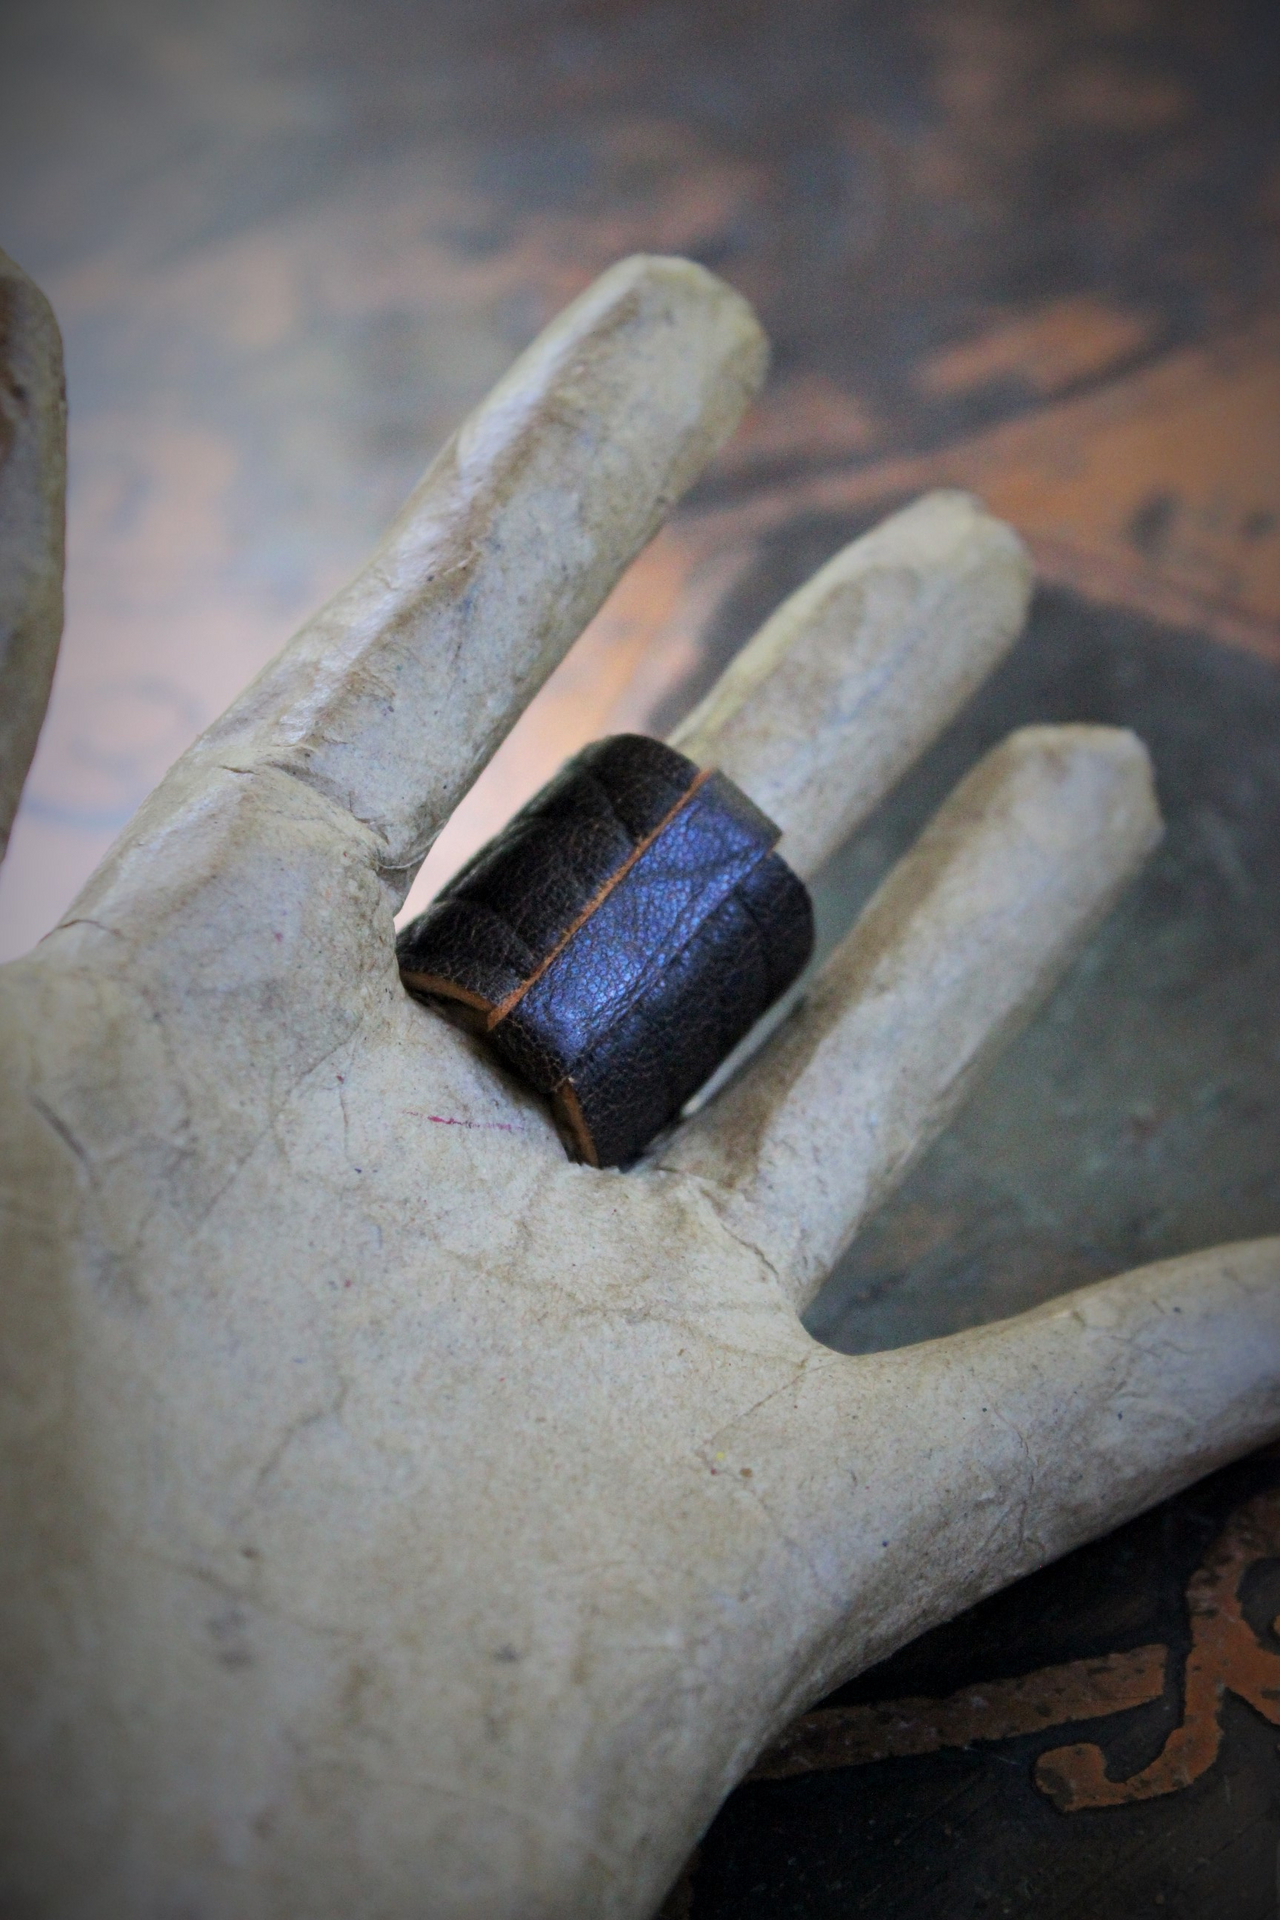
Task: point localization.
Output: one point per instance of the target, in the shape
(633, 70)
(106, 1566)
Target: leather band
(617, 939)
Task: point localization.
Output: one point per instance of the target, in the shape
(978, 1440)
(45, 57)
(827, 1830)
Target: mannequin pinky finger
(33, 474)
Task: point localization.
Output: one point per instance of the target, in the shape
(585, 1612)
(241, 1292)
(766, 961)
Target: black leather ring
(617, 939)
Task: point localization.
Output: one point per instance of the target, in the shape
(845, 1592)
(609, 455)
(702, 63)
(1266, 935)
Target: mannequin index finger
(394, 696)
(963, 939)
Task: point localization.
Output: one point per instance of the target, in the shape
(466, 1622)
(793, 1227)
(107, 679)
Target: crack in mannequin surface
(400, 1520)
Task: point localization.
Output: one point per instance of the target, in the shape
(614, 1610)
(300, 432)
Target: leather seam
(638, 986)
(598, 899)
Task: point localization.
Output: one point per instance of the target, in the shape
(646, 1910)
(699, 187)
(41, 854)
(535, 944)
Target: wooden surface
(1034, 250)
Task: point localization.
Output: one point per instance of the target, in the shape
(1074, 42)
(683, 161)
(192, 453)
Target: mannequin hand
(400, 1520)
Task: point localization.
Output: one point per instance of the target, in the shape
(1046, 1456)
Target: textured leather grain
(617, 939)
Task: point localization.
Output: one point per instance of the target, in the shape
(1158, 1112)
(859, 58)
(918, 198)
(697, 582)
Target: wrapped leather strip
(617, 939)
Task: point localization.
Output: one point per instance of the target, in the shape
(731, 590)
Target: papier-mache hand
(398, 1518)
